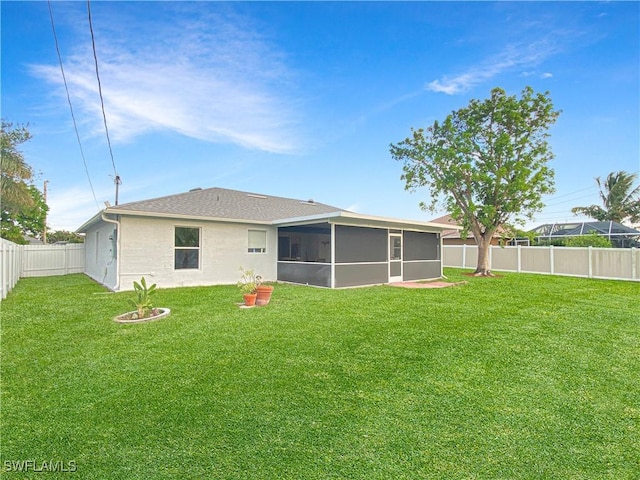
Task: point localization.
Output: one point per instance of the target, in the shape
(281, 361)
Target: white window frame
(197, 248)
(256, 245)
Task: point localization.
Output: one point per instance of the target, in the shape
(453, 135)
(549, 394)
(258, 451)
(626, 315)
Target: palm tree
(619, 199)
(14, 192)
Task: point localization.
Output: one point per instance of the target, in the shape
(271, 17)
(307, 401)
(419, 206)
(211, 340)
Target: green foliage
(23, 210)
(620, 201)
(517, 377)
(143, 301)
(64, 236)
(485, 164)
(28, 220)
(249, 281)
(589, 240)
(14, 170)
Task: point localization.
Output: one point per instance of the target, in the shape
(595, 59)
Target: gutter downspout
(117, 223)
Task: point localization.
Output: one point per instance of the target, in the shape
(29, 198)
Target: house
(452, 236)
(619, 235)
(203, 236)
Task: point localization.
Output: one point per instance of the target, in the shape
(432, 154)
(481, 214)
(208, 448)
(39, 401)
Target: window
(257, 241)
(187, 248)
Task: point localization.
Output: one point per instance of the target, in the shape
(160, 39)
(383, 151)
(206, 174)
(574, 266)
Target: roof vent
(195, 189)
(254, 195)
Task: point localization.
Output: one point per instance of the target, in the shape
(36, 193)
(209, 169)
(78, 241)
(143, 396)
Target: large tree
(22, 207)
(27, 221)
(486, 164)
(620, 201)
(14, 170)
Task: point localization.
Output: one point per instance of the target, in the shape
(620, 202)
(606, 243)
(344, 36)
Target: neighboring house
(452, 235)
(620, 235)
(32, 240)
(202, 237)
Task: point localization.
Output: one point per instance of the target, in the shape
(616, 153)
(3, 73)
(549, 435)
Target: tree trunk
(482, 268)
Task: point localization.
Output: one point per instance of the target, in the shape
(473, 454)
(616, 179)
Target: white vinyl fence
(590, 262)
(10, 266)
(18, 261)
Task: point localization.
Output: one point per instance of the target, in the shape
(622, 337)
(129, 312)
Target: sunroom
(346, 249)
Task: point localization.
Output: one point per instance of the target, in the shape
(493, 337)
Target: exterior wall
(100, 261)
(147, 248)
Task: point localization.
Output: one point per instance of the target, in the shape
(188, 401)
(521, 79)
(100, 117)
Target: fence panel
(10, 266)
(613, 263)
(17, 261)
(47, 260)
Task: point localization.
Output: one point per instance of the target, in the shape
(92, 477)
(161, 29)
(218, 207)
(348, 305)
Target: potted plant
(264, 293)
(145, 310)
(248, 284)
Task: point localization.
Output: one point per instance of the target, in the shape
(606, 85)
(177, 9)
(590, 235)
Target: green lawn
(515, 377)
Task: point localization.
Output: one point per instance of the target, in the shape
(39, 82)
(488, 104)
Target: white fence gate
(590, 262)
(18, 261)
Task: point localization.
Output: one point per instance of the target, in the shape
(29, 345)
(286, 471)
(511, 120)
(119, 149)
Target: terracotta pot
(264, 294)
(250, 299)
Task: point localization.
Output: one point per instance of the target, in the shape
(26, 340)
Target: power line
(104, 116)
(73, 117)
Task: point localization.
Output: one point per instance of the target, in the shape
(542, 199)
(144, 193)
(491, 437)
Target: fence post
(3, 265)
(464, 255)
(519, 267)
(590, 261)
(490, 256)
(551, 260)
(634, 272)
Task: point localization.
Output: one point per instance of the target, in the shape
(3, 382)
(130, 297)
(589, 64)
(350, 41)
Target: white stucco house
(203, 236)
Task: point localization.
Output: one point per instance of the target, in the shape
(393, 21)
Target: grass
(516, 377)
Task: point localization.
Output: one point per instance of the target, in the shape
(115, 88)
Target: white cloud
(511, 57)
(206, 77)
(70, 208)
(546, 75)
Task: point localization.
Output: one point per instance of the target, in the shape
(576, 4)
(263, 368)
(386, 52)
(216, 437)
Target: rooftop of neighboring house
(584, 228)
(454, 232)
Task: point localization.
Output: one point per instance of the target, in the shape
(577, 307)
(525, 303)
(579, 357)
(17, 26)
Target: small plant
(143, 302)
(249, 281)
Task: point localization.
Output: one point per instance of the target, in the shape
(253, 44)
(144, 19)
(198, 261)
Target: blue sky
(302, 99)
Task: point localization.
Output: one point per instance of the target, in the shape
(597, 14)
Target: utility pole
(117, 182)
(44, 233)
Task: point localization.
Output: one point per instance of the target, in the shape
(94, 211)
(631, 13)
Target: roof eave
(92, 221)
(371, 220)
(181, 216)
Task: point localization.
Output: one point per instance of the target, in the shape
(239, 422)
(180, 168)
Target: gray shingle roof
(227, 204)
